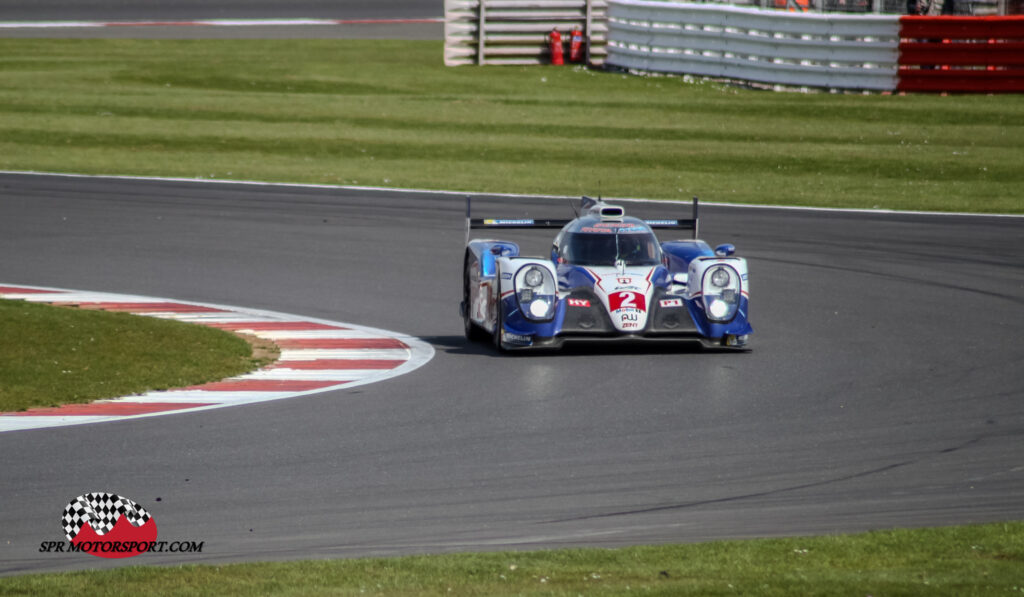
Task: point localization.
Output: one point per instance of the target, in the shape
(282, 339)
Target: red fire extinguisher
(576, 45)
(555, 44)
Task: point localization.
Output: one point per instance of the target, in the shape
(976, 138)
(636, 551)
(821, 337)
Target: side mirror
(724, 250)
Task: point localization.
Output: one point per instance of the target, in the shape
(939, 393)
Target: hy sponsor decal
(107, 525)
(575, 302)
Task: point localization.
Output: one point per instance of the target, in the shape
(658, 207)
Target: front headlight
(541, 308)
(535, 291)
(718, 308)
(721, 290)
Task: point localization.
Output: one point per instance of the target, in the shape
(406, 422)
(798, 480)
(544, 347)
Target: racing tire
(496, 336)
(471, 330)
(499, 318)
(473, 333)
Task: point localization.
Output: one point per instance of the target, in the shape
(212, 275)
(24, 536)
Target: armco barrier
(834, 51)
(516, 31)
(962, 54)
(794, 49)
(837, 51)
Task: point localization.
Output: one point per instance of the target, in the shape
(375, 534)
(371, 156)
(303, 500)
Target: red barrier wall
(962, 54)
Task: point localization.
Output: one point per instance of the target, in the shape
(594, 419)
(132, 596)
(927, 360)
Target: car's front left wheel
(472, 331)
(499, 318)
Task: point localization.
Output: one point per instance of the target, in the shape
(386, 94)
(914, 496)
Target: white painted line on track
(297, 185)
(328, 353)
(84, 297)
(209, 318)
(308, 334)
(22, 423)
(370, 363)
(297, 22)
(225, 398)
(331, 374)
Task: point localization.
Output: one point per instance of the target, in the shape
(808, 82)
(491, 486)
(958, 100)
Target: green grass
(955, 561)
(58, 355)
(388, 113)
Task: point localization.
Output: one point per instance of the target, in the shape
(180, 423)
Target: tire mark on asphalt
(771, 492)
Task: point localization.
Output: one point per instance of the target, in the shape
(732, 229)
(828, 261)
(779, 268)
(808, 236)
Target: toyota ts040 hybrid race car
(608, 278)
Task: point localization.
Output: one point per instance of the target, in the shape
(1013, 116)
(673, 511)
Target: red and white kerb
(316, 356)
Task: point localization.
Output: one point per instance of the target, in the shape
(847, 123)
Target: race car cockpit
(607, 243)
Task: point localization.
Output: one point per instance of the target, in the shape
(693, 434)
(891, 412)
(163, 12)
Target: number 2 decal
(627, 300)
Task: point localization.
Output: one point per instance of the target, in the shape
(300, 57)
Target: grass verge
(388, 113)
(961, 561)
(59, 355)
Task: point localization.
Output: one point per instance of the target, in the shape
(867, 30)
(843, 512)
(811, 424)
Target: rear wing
(475, 223)
(685, 224)
(496, 223)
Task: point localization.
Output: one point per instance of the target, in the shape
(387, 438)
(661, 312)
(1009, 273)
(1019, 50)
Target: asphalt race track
(884, 388)
(177, 10)
(397, 18)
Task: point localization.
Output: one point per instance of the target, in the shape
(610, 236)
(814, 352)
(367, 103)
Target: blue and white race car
(608, 278)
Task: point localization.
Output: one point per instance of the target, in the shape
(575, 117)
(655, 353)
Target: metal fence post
(587, 40)
(480, 35)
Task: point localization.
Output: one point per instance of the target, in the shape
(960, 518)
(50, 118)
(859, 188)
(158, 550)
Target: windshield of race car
(634, 248)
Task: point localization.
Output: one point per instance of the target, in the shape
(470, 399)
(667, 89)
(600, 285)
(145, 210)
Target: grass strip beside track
(955, 561)
(58, 355)
(388, 113)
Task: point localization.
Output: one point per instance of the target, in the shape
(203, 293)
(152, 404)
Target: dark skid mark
(773, 492)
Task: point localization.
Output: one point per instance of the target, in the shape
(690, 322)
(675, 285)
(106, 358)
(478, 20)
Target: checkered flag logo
(101, 511)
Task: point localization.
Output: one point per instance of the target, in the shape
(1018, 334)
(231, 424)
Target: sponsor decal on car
(602, 228)
(619, 225)
(575, 302)
(517, 339)
(508, 222)
(674, 302)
